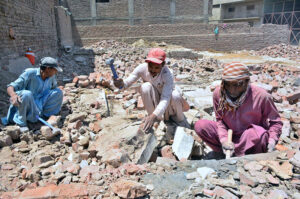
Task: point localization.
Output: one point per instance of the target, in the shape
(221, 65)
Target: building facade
(229, 11)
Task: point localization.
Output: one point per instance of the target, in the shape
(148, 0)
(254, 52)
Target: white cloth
(151, 99)
(163, 83)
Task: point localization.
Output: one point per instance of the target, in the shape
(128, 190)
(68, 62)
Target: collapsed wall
(237, 36)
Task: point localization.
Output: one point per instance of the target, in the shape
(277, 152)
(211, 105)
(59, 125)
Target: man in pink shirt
(246, 109)
(160, 99)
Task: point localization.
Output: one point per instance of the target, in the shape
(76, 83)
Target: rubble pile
(103, 153)
(280, 50)
(272, 178)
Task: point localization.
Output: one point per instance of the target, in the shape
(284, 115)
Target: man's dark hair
(43, 67)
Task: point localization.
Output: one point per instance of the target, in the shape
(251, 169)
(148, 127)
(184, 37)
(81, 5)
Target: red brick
(167, 152)
(75, 80)
(129, 189)
(75, 125)
(96, 126)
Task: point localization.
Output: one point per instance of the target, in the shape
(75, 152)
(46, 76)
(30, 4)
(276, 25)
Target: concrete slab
(183, 144)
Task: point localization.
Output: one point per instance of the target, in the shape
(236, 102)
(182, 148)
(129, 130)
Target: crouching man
(246, 109)
(34, 94)
(161, 100)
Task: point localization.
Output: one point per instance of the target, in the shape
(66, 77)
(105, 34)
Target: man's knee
(146, 87)
(176, 97)
(26, 95)
(58, 93)
(201, 126)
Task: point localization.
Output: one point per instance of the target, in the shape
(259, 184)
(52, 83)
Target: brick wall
(196, 36)
(144, 11)
(33, 23)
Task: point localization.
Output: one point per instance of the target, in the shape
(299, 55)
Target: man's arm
(19, 84)
(134, 76)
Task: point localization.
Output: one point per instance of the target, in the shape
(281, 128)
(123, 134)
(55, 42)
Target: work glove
(271, 145)
(149, 121)
(228, 146)
(15, 100)
(119, 83)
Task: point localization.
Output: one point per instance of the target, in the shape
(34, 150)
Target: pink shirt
(257, 111)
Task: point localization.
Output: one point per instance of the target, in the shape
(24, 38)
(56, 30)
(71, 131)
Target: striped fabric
(235, 71)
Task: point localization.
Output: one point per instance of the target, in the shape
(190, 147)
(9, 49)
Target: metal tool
(228, 155)
(110, 62)
(104, 94)
(55, 130)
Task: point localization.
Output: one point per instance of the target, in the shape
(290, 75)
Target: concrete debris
(183, 144)
(129, 189)
(280, 50)
(107, 156)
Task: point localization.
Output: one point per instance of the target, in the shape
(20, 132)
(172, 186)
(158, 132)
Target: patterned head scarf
(233, 71)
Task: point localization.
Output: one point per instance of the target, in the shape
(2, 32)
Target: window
(231, 9)
(102, 1)
(216, 6)
(250, 7)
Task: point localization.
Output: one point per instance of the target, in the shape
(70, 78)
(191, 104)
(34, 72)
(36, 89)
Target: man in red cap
(160, 98)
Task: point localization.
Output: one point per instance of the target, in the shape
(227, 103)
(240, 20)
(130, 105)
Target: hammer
(110, 62)
(55, 131)
(229, 141)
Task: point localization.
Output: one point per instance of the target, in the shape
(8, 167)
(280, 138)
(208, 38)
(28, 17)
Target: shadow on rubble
(76, 60)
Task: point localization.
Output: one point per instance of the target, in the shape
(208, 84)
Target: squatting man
(161, 100)
(34, 94)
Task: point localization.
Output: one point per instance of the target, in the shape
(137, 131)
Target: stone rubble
(103, 153)
(280, 50)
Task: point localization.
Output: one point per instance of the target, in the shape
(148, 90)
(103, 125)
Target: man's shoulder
(31, 70)
(259, 92)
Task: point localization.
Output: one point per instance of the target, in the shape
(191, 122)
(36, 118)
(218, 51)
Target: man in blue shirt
(34, 94)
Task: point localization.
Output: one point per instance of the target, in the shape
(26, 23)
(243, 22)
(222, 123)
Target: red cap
(156, 55)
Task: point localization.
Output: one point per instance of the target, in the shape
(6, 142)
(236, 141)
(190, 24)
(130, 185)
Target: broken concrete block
(147, 149)
(204, 172)
(129, 103)
(183, 144)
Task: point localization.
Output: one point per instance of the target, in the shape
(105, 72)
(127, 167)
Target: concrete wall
(88, 12)
(64, 27)
(34, 26)
(196, 36)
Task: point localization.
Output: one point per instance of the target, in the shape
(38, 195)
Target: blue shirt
(31, 80)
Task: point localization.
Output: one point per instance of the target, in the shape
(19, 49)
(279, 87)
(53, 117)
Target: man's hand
(271, 145)
(149, 121)
(15, 99)
(119, 83)
(228, 146)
